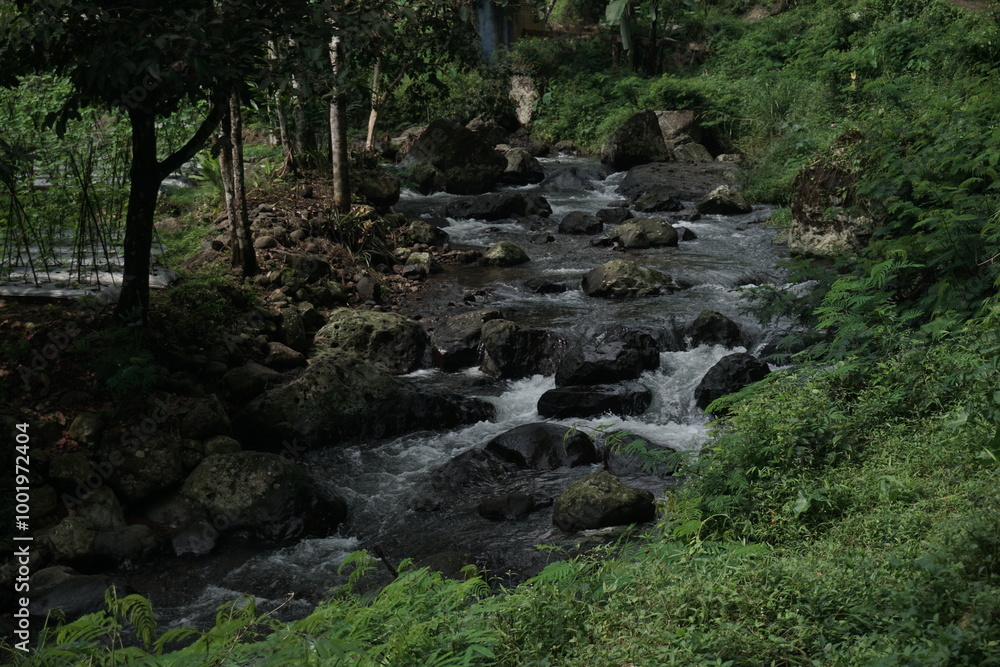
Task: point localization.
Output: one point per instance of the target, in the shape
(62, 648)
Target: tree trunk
(288, 164)
(338, 131)
(376, 105)
(244, 255)
(299, 115)
(144, 187)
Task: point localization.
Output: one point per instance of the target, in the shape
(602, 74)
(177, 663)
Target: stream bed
(386, 483)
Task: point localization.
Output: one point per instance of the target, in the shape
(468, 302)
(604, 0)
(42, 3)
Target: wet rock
(690, 151)
(455, 340)
(309, 268)
(544, 446)
(419, 265)
(645, 233)
(574, 179)
(514, 352)
(578, 222)
(639, 140)
(522, 168)
(61, 587)
(341, 397)
(263, 492)
(511, 506)
(713, 328)
(624, 278)
(542, 286)
(450, 157)
(86, 428)
(615, 215)
(388, 340)
(472, 468)
(653, 202)
(724, 200)
(608, 363)
(647, 345)
(632, 454)
(730, 374)
(152, 464)
(684, 181)
(69, 540)
(541, 239)
(623, 400)
(498, 206)
(504, 253)
(599, 500)
(128, 543)
(686, 234)
(380, 189)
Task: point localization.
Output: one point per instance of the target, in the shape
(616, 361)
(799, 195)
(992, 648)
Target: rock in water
(729, 375)
(600, 499)
(544, 446)
(639, 140)
(623, 278)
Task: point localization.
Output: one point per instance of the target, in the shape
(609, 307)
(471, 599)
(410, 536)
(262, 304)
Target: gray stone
(70, 539)
(578, 222)
(544, 446)
(425, 233)
(600, 499)
(639, 140)
(222, 444)
(280, 357)
(522, 168)
(389, 340)
(504, 253)
(128, 543)
(455, 340)
(450, 157)
(713, 328)
(623, 400)
(86, 428)
(728, 375)
(249, 380)
(624, 278)
(724, 200)
(514, 352)
(645, 233)
(205, 417)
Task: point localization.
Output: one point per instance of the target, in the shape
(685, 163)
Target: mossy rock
(388, 340)
(600, 499)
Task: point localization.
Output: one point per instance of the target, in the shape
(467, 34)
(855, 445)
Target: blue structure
(494, 27)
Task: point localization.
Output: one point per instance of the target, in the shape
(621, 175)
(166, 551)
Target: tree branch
(174, 161)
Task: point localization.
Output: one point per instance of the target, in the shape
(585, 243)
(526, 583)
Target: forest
(265, 292)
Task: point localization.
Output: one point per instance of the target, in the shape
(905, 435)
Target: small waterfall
(494, 29)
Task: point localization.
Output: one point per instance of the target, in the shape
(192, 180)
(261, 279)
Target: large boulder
(724, 200)
(600, 499)
(513, 352)
(504, 253)
(615, 215)
(684, 181)
(624, 399)
(638, 141)
(633, 454)
(420, 231)
(574, 179)
(341, 397)
(645, 233)
(728, 375)
(472, 468)
(522, 168)
(266, 493)
(388, 340)
(146, 465)
(450, 157)
(455, 340)
(380, 189)
(511, 506)
(608, 363)
(579, 222)
(544, 446)
(713, 328)
(675, 124)
(623, 278)
(62, 587)
(498, 206)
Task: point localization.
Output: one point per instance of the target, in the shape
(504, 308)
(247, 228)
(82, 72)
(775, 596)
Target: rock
(280, 357)
(265, 243)
(713, 328)
(70, 539)
(566, 147)
(455, 340)
(196, 538)
(645, 233)
(425, 233)
(623, 400)
(369, 290)
(504, 253)
(511, 506)
(86, 428)
(607, 364)
(152, 464)
(724, 200)
(690, 151)
(419, 265)
(100, 508)
(205, 417)
(498, 206)
(686, 182)
(652, 202)
(292, 330)
(624, 278)
(638, 141)
(544, 446)
(541, 285)
(513, 352)
(828, 215)
(674, 124)
(488, 130)
(388, 340)
(542, 239)
(61, 587)
(380, 189)
(309, 268)
(574, 179)
(450, 157)
(341, 397)
(522, 168)
(68, 470)
(599, 500)
(524, 93)
(647, 345)
(222, 444)
(614, 216)
(472, 468)
(632, 454)
(578, 222)
(128, 543)
(249, 380)
(264, 492)
(686, 234)
(730, 374)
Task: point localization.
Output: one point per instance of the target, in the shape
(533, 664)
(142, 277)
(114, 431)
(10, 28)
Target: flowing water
(384, 482)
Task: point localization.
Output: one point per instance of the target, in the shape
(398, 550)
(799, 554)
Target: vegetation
(846, 513)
